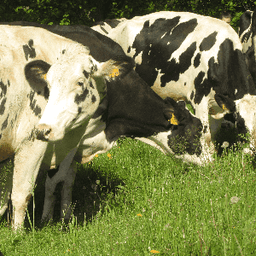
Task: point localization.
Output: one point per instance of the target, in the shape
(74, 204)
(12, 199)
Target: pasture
(134, 200)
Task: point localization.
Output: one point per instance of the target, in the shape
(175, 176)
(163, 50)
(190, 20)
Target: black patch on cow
(5, 123)
(93, 99)
(63, 51)
(2, 106)
(197, 60)
(3, 89)
(28, 49)
(228, 75)
(205, 129)
(157, 42)
(111, 22)
(3, 92)
(81, 97)
(203, 87)
(34, 107)
(192, 95)
(91, 84)
(52, 172)
(208, 42)
(1, 136)
(46, 93)
(86, 74)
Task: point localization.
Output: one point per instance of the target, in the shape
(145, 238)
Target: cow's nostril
(47, 131)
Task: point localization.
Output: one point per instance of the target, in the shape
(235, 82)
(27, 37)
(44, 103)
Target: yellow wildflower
(154, 251)
(96, 155)
(139, 215)
(109, 156)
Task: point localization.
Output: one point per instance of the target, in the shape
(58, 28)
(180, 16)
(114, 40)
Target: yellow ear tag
(224, 107)
(115, 72)
(173, 120)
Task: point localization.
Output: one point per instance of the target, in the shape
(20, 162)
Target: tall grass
(136, 201)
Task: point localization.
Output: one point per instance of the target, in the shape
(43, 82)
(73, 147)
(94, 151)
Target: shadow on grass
(91, 192)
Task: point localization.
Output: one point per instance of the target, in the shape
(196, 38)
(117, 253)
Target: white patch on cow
(247, 109)
(163, 35)
(138, 58)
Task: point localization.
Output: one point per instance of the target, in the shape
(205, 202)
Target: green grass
(134, 200)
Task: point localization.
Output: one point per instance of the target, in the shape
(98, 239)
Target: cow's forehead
(69, 67)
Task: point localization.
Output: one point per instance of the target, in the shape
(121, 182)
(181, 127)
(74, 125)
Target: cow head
(186, 134)
(76, 85)
(184, 138)
(245, 113)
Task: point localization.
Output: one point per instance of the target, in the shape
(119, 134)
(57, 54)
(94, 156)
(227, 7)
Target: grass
(136, 201)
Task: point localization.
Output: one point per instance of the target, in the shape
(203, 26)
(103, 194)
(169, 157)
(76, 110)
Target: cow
(97, 96)
(193, 58)
(46, 92)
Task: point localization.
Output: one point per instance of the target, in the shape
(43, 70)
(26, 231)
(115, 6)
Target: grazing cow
(128, 106)
(47, 91)
(193, 58)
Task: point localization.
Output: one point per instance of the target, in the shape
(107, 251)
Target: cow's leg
(5, 185)
(27, 162)
(63, 174)
(215, 126)
(201, 112)
(66, 192)
(49, 198)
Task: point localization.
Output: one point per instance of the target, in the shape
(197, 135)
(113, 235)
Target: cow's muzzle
(43, 132)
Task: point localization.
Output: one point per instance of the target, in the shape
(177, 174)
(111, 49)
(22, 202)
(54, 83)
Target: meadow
(134, 200)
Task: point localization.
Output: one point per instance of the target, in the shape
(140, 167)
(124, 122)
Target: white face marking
(73, 96)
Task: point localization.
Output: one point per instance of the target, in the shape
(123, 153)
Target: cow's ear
(225, 103)
(112, 69)
(35, 73)
(169, 111)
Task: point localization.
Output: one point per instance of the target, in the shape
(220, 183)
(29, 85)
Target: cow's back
(180, 54)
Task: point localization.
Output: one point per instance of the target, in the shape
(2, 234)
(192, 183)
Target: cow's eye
(80, 83)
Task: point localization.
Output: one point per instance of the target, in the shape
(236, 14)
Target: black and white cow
(25, 88)
(193, 58)
(50, 88)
